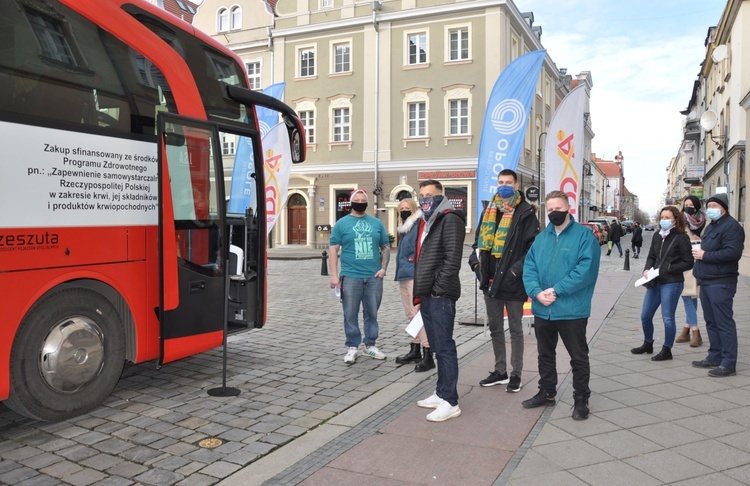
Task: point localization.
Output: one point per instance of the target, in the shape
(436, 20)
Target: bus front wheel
(67, 356)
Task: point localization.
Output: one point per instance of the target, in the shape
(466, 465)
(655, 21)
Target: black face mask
(689, 210)
(359, 207)
(557, 217)
(405, 215)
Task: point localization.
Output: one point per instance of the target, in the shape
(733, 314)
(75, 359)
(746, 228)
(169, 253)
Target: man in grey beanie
(716, 269)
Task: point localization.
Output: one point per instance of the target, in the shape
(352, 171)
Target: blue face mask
(505, 191)
(713, 213)
(666, 224)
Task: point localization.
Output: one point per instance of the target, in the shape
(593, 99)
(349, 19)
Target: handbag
(691, 288)
(610, 245)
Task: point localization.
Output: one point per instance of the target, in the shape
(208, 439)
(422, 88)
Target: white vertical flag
(564, 148)
(277, 167)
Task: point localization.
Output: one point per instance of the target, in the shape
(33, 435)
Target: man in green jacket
(559, 274)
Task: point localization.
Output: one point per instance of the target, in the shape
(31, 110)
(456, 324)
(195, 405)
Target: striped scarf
(491, 234)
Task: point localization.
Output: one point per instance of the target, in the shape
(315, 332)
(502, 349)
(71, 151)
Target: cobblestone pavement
(291, 376)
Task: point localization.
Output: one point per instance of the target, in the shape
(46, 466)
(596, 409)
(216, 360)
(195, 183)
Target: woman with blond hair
(672, 255)
(409, 215)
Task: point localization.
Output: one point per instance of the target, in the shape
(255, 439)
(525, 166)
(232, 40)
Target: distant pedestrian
(560, 274)
(614, 235)
(437, 287)
(636, 240)
(365, 252)
(670, 254)
(506, 232)
(406, 255)
(695, 221)
(717, 268)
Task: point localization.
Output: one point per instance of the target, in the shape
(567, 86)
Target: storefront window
(343, 205)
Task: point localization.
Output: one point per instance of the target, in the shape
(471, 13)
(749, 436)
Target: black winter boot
(644, 348)
(664, 354)
(412, 356)
(427, 363)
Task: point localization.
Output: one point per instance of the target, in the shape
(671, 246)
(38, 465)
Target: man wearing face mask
(437, 287)
(506, 232)
(716, 268)
(365, 253)
(559, 274)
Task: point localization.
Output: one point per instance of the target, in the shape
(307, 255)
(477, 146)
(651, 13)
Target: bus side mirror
(296, 138)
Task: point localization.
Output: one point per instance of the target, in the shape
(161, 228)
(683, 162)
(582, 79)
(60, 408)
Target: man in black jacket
(637, 239)
(506, 232)
(615, 232)
(436, 288)
(716, 269)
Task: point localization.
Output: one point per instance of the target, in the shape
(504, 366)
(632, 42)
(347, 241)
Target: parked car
(603, 221)
(649, 227)
(628, 226)
(598, 232)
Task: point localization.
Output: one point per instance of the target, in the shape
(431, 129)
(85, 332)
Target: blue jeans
(667, 295)
(616, 244)
(368, 292)
(717, 301)
(691, 310)
(439, 314)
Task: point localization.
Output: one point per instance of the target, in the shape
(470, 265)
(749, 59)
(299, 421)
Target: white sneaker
(430, 402)
(443, 412)
(351, 356)
(373, 352)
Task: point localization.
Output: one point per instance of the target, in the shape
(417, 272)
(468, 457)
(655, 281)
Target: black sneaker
(581, 409)
(495, 378)
(514, 386)
(704, 363)
(721, 372)
(541, 399)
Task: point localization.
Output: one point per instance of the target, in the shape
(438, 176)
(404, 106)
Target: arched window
(404, 195)
(236, 17)
(222, 20)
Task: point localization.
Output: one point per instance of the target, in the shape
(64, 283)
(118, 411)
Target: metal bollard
(324, 264)
(627, 260)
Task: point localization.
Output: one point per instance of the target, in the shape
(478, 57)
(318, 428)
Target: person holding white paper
(409, 214)
(671, 254)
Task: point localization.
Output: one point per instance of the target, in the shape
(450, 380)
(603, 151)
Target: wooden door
(297, 225)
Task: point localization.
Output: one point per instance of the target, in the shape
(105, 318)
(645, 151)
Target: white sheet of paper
(651, 274)
(415, 325)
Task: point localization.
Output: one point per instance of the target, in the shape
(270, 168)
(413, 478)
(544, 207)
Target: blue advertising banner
(505, 122)
(242, 193)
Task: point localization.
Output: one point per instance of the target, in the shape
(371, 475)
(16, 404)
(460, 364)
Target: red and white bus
(115, 245)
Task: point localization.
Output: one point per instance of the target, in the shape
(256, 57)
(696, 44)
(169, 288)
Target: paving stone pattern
(291, 374)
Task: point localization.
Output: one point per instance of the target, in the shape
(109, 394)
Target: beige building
(390, 92)
(717, 120)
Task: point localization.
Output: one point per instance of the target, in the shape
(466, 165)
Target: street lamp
(586, 173)
(539, 158)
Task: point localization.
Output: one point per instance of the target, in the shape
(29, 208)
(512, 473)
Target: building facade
(716, 118)
(391, 93)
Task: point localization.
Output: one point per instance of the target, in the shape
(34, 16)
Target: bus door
(192, 238)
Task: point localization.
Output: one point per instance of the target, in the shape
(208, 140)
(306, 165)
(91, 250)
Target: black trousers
(573, 335)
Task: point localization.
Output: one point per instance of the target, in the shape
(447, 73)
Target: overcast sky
(644, 57)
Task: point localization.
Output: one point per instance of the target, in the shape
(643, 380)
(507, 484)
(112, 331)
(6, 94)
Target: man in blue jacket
(559, 274)
(716, 269)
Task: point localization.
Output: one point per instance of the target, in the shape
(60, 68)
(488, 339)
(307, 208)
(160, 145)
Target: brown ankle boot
(696, 341)
(684, 336)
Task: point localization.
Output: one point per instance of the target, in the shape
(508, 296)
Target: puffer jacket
(671, 255)
(507, 281)
(722, 242)
(439, 255)
(407, 247)
(568, 263)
